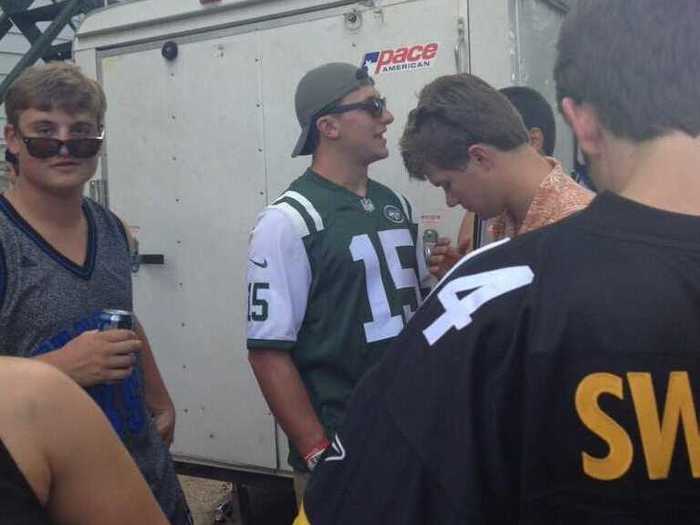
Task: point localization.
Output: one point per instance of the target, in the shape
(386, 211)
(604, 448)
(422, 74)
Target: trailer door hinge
(461, 47)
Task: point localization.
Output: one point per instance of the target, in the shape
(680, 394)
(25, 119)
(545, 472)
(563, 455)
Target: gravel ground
(204, 496)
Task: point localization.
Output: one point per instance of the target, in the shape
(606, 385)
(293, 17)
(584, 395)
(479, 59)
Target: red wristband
(311, 459)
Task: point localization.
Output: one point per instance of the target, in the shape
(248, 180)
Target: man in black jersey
(554, 378)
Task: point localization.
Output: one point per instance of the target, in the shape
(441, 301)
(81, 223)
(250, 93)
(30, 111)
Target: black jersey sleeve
(430, 432)
(370, 474)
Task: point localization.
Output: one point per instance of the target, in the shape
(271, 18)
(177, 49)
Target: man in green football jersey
(333, 267)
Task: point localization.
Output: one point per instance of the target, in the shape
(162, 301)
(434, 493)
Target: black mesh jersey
(551, 380)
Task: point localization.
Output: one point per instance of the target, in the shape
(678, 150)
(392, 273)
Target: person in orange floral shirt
(543, 194)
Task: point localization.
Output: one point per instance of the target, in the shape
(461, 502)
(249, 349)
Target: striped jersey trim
(295, 216)
(307, 205)
(254, 344)
(404, 205)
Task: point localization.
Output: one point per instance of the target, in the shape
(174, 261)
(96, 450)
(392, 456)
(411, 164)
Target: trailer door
(185, 170)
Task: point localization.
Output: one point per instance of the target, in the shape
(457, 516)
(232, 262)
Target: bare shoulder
(41, 405)
(28, 388)
(31, 389)
(129, 237)
(30, 374)
(124, 224)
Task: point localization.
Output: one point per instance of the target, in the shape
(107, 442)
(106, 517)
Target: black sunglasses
(374, 106)
(45, 147)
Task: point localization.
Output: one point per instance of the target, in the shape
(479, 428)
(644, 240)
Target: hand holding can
(115, 320)
(430, 239)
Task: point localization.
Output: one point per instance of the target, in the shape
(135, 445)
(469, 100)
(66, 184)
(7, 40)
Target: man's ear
(586, 125)
(482, 156)
(537, 139)
(328, 127)
(12, 139)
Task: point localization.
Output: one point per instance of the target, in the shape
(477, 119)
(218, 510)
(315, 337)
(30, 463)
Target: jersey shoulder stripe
(306, 204)
(295, 216)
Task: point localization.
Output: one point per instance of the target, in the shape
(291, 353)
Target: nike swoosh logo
(337, 450)
(262, 264)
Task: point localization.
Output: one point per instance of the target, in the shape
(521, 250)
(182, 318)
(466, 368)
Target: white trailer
(200, 129)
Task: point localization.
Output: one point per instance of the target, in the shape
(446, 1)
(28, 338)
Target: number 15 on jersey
(257, 305)
(384, 325)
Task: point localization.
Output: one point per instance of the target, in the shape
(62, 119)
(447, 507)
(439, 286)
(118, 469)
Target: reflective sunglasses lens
(83, 148)
(43, 148)
(377, 105)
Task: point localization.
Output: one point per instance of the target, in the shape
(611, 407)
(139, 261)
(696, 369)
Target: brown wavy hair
(453, 113)
(55, 86)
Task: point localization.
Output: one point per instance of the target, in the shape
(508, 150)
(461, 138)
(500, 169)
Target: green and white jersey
(333, 278)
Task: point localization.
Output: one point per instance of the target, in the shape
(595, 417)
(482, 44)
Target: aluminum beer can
(430, 239)
(115, 320)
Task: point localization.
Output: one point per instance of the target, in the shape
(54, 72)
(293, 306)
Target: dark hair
(11, 158)
(54, 86)
(636, 62)
(453, 113)
(536, 113)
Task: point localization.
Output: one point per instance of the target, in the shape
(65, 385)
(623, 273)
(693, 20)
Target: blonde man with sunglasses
(333, 273)
(64, 259)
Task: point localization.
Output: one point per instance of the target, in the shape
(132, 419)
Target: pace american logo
(408, 58)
